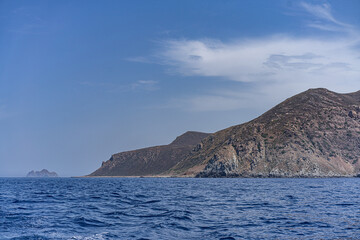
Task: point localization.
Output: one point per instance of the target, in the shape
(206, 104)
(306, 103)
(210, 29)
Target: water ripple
(141, 208)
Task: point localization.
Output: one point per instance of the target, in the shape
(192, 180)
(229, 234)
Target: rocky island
(313, 134)
(42, 173)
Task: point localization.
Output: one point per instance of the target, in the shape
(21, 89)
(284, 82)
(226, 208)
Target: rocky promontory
(150, 161)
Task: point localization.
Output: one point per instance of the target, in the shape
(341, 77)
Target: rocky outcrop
(152, 160)
(313, 134)
(42, 173)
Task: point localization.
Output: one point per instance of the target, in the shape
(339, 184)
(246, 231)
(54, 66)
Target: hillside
(152, 160)
(313, 134)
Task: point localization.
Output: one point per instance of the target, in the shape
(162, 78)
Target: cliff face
(313, 134)
(42, 173)
(152, 160)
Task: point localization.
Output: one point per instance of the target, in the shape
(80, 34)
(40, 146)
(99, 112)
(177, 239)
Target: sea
(179, 208)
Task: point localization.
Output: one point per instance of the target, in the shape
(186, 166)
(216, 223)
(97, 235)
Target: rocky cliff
(313, 134)
(152, 160)
(42, 173)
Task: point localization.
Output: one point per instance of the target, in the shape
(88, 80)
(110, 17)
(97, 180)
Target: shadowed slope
(152, 160)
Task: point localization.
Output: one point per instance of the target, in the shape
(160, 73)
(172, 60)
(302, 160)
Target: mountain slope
(313, 134)
(152, 160)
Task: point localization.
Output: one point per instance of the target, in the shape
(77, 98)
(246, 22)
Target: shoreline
(243, 177)
(148, 176)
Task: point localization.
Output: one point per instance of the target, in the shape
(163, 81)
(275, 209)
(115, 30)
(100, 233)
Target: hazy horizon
(82, 80)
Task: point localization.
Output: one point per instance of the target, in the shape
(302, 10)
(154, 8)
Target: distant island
(313, 134)
(42, 173)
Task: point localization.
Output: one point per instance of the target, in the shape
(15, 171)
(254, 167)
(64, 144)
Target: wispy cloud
(32, 23)
(141, 85)
(220, 100)
(261, 59)
(322, 11)
(278, 64)
(148, 85)
(324, 19)
(139, 59)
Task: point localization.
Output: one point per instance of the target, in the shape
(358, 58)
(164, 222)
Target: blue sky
(81, 80)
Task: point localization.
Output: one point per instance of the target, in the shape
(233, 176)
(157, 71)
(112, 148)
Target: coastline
(148, 176)
(188, 176)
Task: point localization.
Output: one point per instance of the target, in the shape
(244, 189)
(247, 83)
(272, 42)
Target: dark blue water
(151, 208)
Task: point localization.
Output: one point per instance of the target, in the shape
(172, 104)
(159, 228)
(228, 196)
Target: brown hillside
(313, 134)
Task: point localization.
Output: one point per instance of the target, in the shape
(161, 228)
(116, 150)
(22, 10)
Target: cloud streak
(141, 85)
(278, 64)
(148, 85)
(324, 19)
(264, 59)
